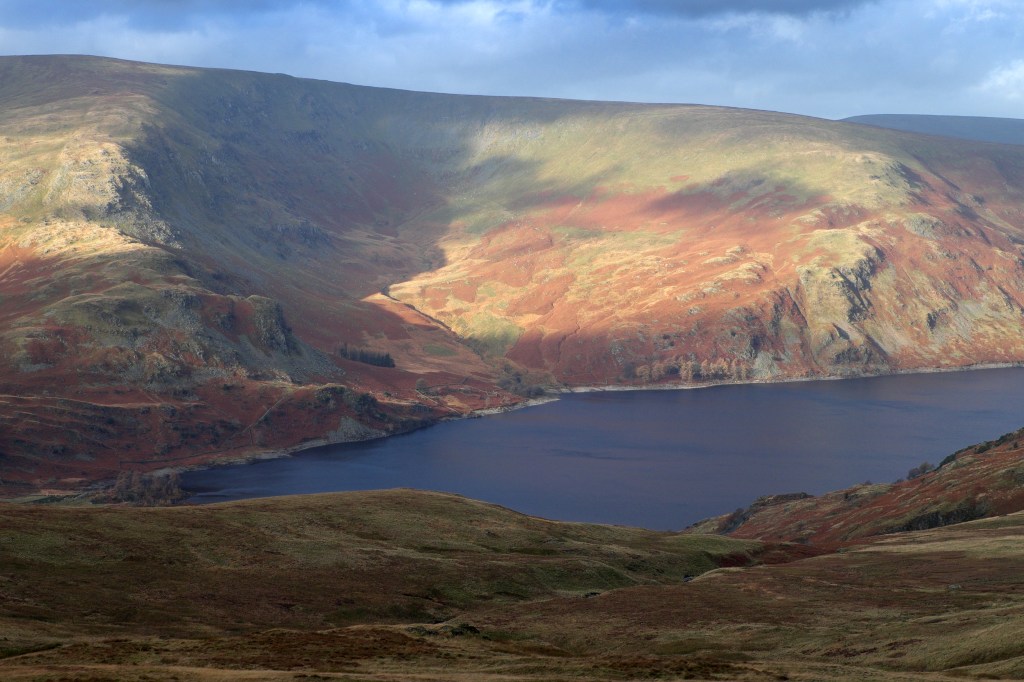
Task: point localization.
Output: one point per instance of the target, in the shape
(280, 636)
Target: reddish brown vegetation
(978, 482)
(183, 252)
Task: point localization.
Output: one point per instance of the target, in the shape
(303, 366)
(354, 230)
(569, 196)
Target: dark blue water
(661, 459)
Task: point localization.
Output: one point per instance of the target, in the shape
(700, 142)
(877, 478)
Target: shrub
(920, 470)
(367, 356)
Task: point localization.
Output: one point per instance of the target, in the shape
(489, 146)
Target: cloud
(689, 8)
(702, 8)
(829, 58)
(1006, 82)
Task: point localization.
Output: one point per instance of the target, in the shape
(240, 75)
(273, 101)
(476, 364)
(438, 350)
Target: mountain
(201, 265)
(978, 128)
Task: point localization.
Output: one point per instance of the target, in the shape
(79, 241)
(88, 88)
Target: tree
(920, 470)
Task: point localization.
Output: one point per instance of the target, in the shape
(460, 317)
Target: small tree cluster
(366, 356)
(514, 382)
(364, 404)
(133, 487)
(920, 470)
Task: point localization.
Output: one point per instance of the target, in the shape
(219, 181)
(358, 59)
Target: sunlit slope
(193, 262)
(628, 243)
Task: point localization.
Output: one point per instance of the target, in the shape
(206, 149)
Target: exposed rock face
(201, 243)
(272, 333)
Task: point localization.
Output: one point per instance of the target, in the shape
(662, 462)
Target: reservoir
(661, 459)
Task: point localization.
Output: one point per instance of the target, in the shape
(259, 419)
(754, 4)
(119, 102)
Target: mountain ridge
(977, 128)
(185, 252)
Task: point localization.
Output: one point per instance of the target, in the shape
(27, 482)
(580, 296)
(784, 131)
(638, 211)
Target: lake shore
(784, 380)
(662, 459)
(552, 395)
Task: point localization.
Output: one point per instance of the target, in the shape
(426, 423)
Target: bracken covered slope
(188, 263)
(204, 264)
(977, 482)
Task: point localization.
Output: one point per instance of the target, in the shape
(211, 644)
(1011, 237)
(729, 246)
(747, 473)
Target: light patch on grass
(490, 334)
(438, 350)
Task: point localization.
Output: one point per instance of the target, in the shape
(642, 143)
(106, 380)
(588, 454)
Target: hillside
(406, 585)
(978, 128)
(205, 264)
(977, 482)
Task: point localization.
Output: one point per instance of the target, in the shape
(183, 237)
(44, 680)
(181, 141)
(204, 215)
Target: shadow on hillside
(266, 176)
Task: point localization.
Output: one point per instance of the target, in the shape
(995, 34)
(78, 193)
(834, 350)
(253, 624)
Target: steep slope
(203, 264)
(977, 482)
(701, 243)
(186, 274)
(979, 128)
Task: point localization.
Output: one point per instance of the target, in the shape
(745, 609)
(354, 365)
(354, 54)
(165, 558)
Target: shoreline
(786, 380)
(552, 395)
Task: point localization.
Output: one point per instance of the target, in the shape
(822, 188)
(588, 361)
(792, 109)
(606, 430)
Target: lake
(661, 459)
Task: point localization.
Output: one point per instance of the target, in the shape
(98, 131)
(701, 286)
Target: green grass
(437, 350)
(489, 334)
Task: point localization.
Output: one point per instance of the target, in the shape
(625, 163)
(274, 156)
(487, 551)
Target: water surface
(661, 459)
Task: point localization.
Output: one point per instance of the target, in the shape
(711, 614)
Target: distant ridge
(978, 128)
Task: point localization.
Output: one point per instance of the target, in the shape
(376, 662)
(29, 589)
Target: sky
(827, 58)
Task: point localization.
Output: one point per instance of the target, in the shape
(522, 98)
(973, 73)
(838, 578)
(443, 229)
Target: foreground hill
(977, 482)
(407, 585)
(205, 264)
(979, 128)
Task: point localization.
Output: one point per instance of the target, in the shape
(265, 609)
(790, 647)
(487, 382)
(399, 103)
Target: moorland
(202, 265)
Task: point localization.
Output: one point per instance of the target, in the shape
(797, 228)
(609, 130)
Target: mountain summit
(201, 264)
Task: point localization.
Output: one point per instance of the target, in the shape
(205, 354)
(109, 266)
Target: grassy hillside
(981, 481)
(406, 585)
(979, 128)
(193, 262)
(76, 577)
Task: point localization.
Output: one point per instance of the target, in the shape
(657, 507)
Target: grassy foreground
(205, 580)
(406, 585)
